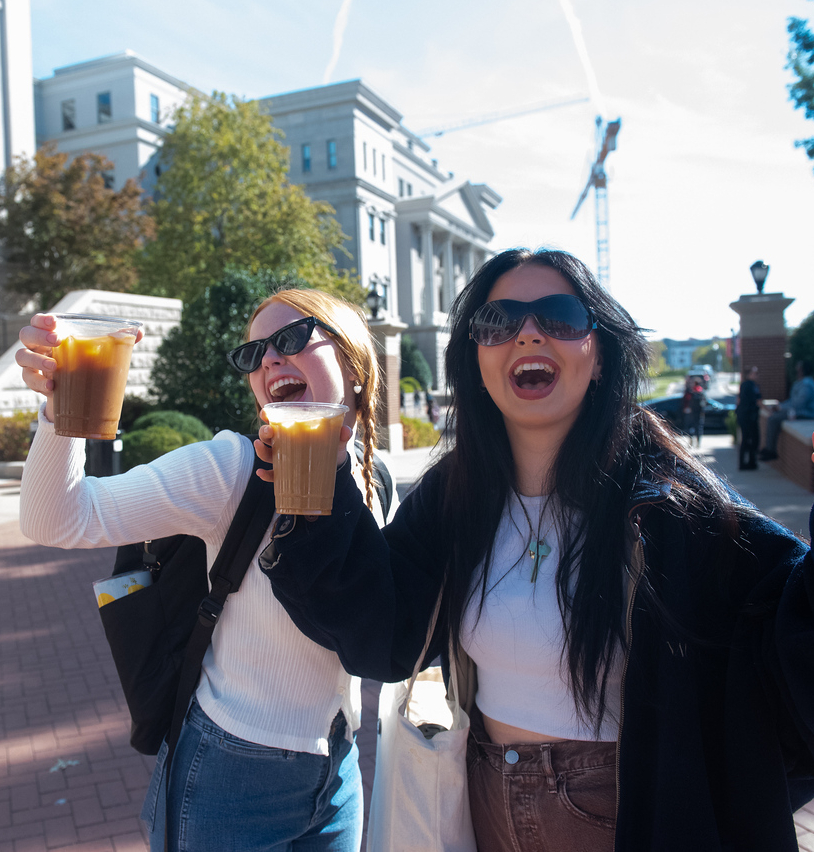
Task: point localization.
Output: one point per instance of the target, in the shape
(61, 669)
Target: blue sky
(706, 178)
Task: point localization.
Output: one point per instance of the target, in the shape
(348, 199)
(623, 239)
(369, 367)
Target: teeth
(273, 388)
(522, 368)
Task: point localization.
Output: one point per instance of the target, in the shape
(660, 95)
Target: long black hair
(612, 443)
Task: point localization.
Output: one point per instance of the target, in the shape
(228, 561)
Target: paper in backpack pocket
(112, 588)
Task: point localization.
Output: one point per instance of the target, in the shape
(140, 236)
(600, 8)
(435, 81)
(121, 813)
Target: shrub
(177, 421)
(134, 407)
(418, 433)
(15, 435)
(409, 385)
(144, 445)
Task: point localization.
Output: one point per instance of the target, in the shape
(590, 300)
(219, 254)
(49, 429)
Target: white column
(449, 274)
(429, 301)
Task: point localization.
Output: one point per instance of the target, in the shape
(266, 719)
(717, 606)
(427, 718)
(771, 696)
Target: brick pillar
(387, 335)
(763, 340)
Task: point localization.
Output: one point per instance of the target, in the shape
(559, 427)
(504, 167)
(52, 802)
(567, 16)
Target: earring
(357, 388)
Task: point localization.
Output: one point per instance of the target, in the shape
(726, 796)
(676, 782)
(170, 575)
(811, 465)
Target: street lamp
(759, 272)
(374, 299)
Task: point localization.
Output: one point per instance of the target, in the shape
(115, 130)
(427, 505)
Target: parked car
(671, 409)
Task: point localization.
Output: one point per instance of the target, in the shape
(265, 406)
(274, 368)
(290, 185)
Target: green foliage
(184, 423)
(413, 362)
(191, 374)
(418, 433)
(15, 435)
(801, 63)
(223, 198)
(717, 358)
(732, 425)
(801, 343)
(134, 407)
(657, 364)
(63, 230)
(409, 385)
(144, 445)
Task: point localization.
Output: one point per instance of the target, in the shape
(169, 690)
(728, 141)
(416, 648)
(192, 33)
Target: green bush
(177, 421)
(732, 425)
(134, 407)
(418, 433)
(15, 435)
(409, 385)
(144, 445)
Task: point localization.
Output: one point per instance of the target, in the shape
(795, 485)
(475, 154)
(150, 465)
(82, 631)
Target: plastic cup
(306, 440)
(93, 360)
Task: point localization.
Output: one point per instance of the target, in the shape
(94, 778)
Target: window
(109, 179)
(383, 174)
(401, 187)
(374, 161)
(364, 155)
(155, 109)
(409, 189)
(104, 108)
(371, 225)
(382, 230)
(332, 153)
(69, 115)
(306, 158)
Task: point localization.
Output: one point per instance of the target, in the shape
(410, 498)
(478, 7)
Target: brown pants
(543, 797)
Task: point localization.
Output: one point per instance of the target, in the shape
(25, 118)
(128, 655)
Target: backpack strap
(382, 480)
(246, 531)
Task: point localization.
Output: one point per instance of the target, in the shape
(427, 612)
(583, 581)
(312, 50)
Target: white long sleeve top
(262, 679)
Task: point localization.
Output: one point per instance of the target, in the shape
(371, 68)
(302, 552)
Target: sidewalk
(68, 777)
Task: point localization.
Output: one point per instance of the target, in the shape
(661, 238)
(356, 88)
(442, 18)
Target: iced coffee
(93, 359)
(306, 440)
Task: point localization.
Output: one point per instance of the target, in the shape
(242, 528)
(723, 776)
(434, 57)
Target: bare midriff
(503, 734)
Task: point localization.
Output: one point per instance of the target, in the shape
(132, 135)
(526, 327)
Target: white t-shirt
(517, 641)
(262, 679)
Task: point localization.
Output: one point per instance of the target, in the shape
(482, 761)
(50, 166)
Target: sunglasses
(289, 340)
(562, 317)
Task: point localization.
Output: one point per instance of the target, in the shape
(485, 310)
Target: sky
(706, 178)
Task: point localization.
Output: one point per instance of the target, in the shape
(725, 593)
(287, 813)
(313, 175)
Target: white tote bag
(420, 800)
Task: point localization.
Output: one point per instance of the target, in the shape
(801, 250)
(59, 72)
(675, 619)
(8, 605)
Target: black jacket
(716, 745)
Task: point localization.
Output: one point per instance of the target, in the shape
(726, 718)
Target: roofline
(126, 57)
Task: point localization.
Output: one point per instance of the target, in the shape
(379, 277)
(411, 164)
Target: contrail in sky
(339, 36)
(582, 52)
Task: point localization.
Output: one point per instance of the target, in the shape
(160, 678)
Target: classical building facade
(118, 106)
(415, 232)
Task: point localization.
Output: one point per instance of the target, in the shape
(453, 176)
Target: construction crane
(502, 115)
(606, 134)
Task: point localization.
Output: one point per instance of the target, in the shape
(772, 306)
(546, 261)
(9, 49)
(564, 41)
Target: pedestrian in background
(695, 404)
(799, 406)
(748, 415)
(643, 637)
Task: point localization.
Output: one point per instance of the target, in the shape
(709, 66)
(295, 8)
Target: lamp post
(759, 272)
(374, 298)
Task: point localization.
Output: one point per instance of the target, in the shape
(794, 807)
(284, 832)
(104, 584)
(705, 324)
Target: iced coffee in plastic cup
(93, 359)
(306, 440)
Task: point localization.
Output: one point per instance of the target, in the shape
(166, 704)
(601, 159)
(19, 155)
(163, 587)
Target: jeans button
(511, 756)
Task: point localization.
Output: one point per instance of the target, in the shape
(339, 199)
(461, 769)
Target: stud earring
(357, 388)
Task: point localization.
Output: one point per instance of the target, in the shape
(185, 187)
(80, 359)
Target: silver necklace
(537, 548)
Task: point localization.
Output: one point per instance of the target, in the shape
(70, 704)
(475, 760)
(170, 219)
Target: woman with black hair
(643, 637)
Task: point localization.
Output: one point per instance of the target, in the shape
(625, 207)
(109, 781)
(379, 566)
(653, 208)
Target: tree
(801, 62)
(191, 374)
(223, 198)
(63, 229)
(413, 362)
(801, 343)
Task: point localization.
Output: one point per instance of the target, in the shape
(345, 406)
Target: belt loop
(548, 768)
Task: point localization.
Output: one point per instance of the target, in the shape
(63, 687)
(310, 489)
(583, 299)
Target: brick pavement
(68, 777)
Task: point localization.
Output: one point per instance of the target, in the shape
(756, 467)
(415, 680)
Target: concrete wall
(159, 316)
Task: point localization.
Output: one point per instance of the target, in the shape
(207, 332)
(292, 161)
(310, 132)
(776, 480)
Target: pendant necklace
(538, 549)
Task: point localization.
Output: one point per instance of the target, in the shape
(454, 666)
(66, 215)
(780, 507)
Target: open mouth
(533, 376)
(287, 390)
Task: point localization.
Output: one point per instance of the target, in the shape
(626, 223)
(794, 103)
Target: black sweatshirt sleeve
(365, 593)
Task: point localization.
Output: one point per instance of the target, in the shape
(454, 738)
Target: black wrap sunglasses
(561, 316)
(289, 340)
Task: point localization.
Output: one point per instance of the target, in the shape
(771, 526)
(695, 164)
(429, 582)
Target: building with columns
(415, 232)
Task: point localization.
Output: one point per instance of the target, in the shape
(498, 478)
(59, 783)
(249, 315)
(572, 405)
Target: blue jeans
(230, 795)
